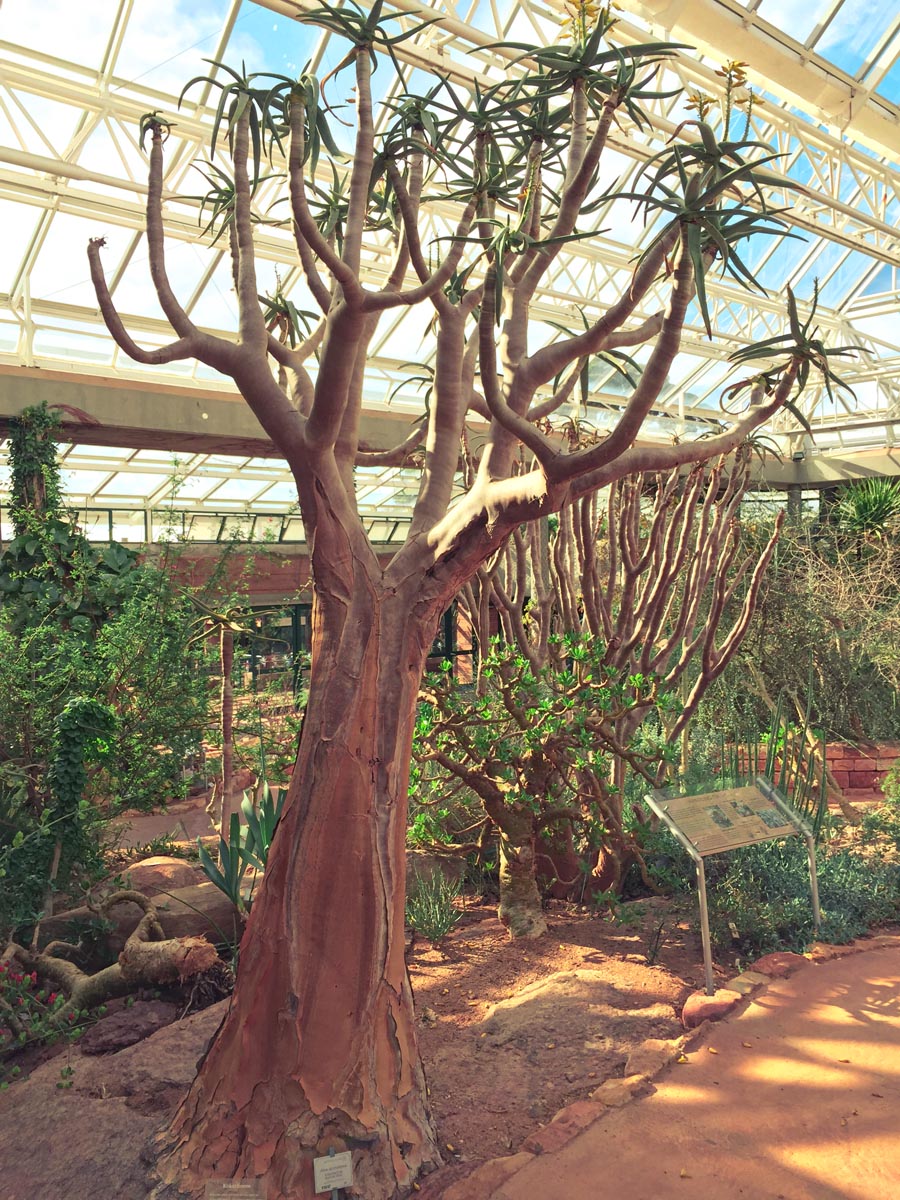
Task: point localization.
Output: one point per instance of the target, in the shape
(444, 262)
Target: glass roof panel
(97, 187)
(798, 18)
(132, 484)
(166, 42)
(51, 27)
(890, 84)
(856, 29)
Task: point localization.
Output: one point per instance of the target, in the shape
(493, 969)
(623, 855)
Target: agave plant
(247, 847)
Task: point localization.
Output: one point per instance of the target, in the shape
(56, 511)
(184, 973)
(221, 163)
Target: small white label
(333, 1171)
(230, 1189)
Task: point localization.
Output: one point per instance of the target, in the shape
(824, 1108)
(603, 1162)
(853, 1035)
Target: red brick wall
(858, 769)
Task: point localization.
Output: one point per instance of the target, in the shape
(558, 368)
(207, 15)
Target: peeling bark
(319, 1044)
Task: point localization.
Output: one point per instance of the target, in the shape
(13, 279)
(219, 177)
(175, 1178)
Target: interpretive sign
(718, 821)
(725, 820)
(335, 1171)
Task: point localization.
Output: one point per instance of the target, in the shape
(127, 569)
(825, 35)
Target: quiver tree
(319, 1042)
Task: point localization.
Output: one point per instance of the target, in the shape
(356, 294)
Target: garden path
(796, 1098)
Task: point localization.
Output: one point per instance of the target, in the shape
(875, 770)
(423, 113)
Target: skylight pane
(236, 489)
(797, 18)
(77, 484)
(855, 31)
(52, 28)
(165, 43)
(128, 483)
(268, 41)
(890, 85)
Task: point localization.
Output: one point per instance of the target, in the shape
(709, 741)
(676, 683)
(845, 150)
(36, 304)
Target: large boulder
(86, 1140)
(421, 865)
(200, 910)
(127, 1026)
(162, 874)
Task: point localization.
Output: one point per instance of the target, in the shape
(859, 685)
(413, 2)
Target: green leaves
(364, 29)
(693, 184)
(284, 319)
(246, 848)
(155, 124)
(801, 347)
(623, 364)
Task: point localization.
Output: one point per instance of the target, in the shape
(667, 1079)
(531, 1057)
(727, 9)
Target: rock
(567, 1123)
(85, 1141)
(152, 875)
(650, 1058)
(166, 1062)
(615, 1093)
(243, 780)
(820, 952)
(152, 1076)
(200, 910)
(779, 964)
(485, 1179)
(746, 983)
(699, 1007)
(127, 1027)
(552, 1006)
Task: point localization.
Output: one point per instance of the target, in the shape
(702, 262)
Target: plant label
(333, 1171)
(236, 1189)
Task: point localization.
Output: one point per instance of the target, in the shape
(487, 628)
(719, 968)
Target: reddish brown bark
(319, 1045)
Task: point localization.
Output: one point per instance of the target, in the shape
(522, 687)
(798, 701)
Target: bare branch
(396, 456)
(186, 347)
(305, 227)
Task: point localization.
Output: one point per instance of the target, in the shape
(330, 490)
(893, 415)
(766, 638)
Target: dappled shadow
(797, 1097)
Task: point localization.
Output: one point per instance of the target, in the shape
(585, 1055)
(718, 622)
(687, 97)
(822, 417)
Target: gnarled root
(148, 959)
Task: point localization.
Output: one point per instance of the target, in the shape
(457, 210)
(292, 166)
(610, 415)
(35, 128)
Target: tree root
(148, 959)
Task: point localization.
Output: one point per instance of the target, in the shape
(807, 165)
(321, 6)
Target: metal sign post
(719, 821)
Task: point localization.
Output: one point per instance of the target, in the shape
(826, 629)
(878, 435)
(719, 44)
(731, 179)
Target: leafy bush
(31, 1015)
(99, 698)
(430, 905)
(763, 891)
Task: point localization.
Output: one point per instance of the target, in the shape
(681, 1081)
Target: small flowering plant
(32, 1014)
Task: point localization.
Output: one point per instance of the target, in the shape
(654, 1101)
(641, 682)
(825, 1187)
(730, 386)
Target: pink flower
(51, 999)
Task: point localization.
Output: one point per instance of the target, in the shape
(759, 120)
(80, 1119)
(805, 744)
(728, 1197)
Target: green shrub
(763, 892)
(430, 905)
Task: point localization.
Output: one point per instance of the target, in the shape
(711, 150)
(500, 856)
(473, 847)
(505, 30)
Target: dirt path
(797, 1098)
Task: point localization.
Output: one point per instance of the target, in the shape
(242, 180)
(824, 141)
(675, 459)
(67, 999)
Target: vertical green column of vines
(34, 468)
(84, 731)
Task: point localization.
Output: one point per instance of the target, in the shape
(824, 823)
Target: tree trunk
(318, 1048)
(559, 870)
(520, 901)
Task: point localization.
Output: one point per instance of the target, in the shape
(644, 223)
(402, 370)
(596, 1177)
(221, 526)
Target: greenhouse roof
(826, 81)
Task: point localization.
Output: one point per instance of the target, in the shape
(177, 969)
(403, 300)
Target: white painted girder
(49, 183)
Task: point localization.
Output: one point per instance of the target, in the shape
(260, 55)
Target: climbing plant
(93, 653)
